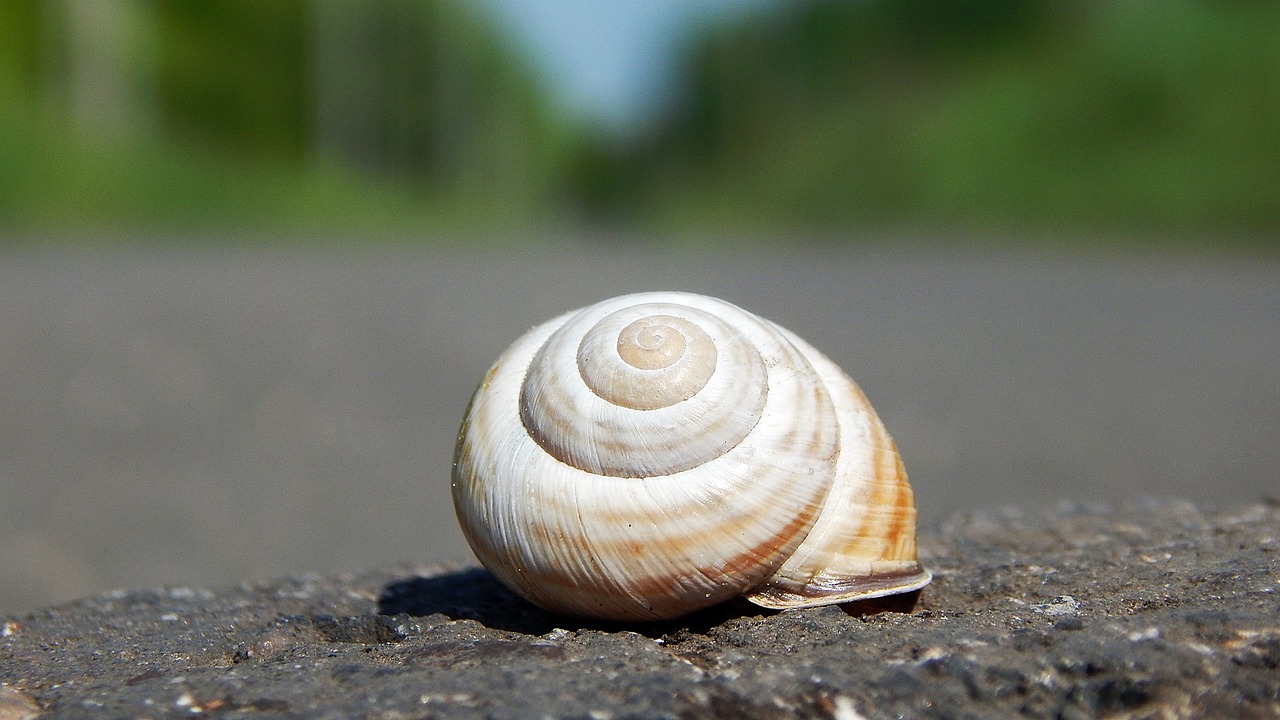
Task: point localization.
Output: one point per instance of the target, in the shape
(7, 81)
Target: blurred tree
(417, 91)
(970, 114)
(103, 62)
(233, 74)
(973, 114)
(21, 27)
(426, 93)
(165, 108)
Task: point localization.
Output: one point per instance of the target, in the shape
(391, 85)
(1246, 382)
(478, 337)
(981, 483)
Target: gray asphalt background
(204, 418)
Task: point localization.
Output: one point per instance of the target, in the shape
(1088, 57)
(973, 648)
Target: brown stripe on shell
(664, 593)
(665, 544)
(551, 590)
(900, 537)
(882, 492)
(889, 508)
(885, 513)
(874, 557)
(754, 563)
(820, 444)
(812, 491)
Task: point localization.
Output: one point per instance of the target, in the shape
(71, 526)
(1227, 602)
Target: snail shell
(658, 453)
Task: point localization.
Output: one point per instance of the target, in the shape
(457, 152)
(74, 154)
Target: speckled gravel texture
(1152, 610)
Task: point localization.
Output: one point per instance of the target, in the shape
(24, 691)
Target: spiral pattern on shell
(658, 453)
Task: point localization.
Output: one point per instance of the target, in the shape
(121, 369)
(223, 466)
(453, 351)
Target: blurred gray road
(207, 418)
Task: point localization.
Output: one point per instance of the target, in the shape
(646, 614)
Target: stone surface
(1150, 610)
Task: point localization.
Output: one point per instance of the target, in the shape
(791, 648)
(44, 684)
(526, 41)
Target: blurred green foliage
(19, 51)
(233, 74)
(984, 115)
(302, 116)
(991, 116)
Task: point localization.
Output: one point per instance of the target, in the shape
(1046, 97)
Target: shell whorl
(656, 453)
(646, 373)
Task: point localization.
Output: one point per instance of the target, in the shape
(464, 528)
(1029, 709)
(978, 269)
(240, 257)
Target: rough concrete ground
(1153, 610)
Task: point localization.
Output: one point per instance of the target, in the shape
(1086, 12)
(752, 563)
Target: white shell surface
(662, 452)
(864, 543)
